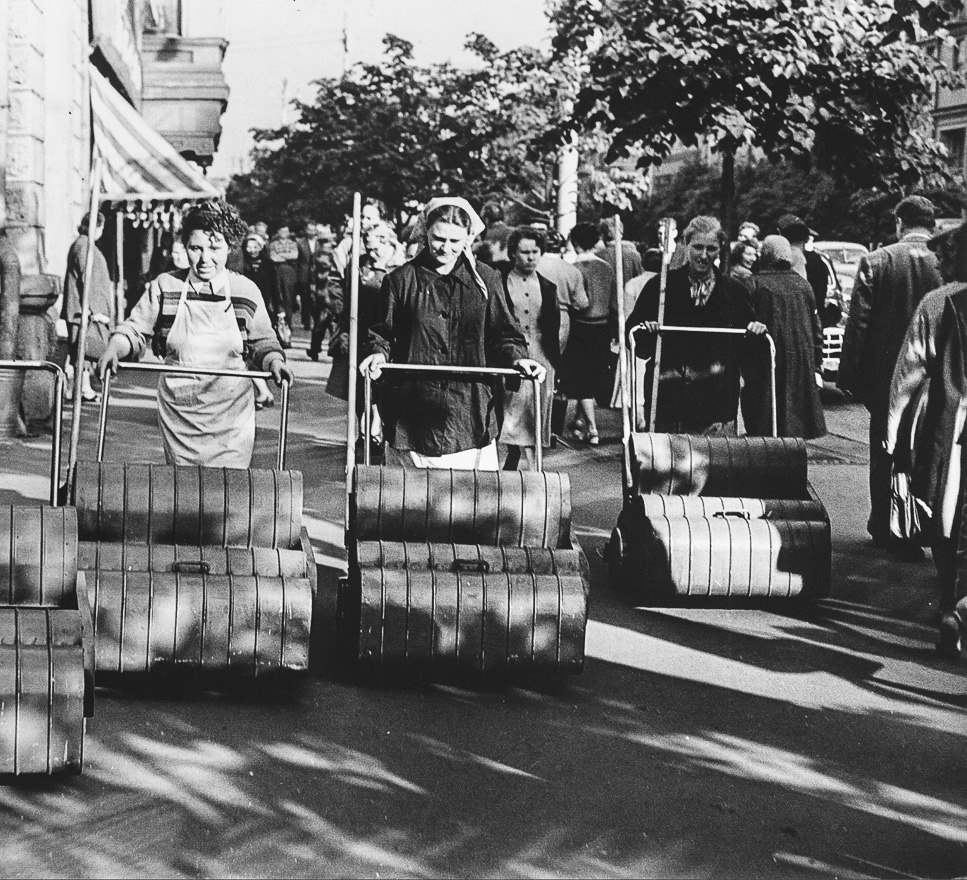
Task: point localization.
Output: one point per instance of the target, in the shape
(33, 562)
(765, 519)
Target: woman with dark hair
(535, 303)
(206, 317)
(444, 308)
(742, 261)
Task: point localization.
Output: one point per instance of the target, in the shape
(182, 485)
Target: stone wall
(44, 126)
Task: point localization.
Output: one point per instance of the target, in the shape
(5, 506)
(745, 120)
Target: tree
(842, 85)
(764, 191)
(403, 133)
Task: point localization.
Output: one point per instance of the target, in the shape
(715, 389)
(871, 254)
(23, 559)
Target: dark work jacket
(549, 319)
(444, 319)
(699, 372)
(262, 272)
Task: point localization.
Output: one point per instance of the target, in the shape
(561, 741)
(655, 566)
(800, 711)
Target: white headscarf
(476, 227)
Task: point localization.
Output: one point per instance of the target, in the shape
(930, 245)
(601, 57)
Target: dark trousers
(950, 557)
(878, 525)
(321, 321)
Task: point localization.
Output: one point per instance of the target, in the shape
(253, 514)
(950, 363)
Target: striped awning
(138, 163)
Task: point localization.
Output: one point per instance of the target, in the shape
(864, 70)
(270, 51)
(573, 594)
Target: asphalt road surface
(696, 743)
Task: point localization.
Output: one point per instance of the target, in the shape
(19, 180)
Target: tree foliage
(839, 84)
(402, 133)
(764, 191)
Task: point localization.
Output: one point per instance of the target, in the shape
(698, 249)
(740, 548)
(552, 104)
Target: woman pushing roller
(444, 308)
(209, 318)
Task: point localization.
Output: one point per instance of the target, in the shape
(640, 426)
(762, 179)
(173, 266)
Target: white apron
(206, 420)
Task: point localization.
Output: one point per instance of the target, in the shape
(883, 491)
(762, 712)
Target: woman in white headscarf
(442, 307)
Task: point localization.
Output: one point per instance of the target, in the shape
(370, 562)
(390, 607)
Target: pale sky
(292, 42)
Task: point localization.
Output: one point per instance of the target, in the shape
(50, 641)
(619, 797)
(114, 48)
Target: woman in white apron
(205, 317)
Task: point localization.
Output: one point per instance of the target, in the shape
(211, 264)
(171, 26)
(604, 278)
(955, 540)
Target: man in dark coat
(815, 267)
(699, 391)
(784, 302)
(890, 282)
(939, 472)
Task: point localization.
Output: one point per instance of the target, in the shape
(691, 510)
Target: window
(954, 140)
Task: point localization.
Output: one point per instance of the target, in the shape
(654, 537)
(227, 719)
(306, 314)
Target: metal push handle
(196, 371)
(55, 446)
(720, 331)
(454, 371)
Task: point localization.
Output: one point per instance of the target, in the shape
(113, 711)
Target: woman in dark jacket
(443, 308)
(699, 387)
(784, 302)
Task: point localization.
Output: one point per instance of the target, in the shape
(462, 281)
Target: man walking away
(890, 282)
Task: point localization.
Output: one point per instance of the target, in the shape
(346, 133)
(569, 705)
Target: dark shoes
(905, 552)
(952, 637)
(901, 551)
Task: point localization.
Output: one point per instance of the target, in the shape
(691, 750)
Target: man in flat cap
(890, 282)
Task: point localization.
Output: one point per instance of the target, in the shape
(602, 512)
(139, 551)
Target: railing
(196, 371)
(454, 371)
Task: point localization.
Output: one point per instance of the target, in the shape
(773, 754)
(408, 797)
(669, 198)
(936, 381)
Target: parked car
(845, 257)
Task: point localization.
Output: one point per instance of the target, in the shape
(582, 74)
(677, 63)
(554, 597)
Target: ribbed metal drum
(495, 508)
(41, 691)
(470, 557)
(38, 555)
(728, 556)
(757, 508)
(218, 622)
(679, 464)
(262, 561)
(164, 504)
(473, 621)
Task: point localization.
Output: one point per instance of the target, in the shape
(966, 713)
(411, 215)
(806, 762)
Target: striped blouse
(155, 312)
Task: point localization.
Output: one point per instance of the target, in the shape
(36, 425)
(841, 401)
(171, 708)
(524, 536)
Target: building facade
(157, 56)
(44, 126)
(950, 105)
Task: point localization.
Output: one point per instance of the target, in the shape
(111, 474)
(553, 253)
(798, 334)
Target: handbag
(909, 516)
(95, 343)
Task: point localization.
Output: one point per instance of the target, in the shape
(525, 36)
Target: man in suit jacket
(890, 282)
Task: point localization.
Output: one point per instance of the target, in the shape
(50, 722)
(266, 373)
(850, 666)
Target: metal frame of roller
(463, 570)
(46, 627)
(198, 568)
(730, 519)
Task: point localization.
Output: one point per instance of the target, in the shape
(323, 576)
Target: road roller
(717, 518)
(46, 628)
(462, 570)
(197, 568)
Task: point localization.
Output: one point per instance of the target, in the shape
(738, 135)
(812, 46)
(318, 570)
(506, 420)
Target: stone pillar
(26, 130)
